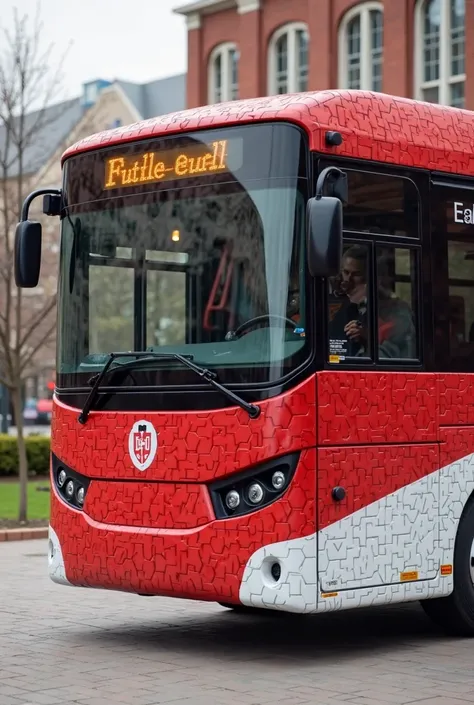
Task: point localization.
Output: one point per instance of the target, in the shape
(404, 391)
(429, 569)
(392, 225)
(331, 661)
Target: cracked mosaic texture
(374, 407)
(381, 128)
(456, 482)
(57, 571)
(395, 534)
(192, 446)
(401, 512)
(360, 558)
(387, 525)
(456, 392)
(368, 474)
(204, 563)
(410, 529)
(378, 434)
(162, 505)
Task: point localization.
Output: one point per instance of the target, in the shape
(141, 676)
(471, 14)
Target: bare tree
(28, 88)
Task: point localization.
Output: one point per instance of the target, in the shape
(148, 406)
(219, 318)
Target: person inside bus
(349, 312)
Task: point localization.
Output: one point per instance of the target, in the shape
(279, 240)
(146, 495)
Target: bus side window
(397, 303)
(452, 260)
(353, 295)
(461, 304)
(349, 301)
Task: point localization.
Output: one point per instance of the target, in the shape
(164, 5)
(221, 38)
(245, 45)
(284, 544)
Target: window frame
(224, 51)
(363, 11)
(439, 181)
(446, 80)
(373, 360)
(291, 30)
(420, 179)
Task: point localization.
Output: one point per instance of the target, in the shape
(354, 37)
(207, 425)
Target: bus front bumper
(265, 560)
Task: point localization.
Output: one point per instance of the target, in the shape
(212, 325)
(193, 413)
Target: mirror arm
(322, 179)
(34, 194)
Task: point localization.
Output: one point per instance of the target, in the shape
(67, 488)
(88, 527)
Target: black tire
(455, 613)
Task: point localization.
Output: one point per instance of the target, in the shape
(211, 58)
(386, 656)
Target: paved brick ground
(62, 645)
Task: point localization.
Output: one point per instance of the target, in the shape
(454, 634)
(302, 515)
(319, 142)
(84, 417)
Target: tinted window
(374, 320)
(204, 158)
(206, 266)
(381, 203)
(453, 262)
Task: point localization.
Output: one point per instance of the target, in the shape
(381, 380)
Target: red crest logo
(142, 444)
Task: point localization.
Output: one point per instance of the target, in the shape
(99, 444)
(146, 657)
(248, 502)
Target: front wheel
(455, 613)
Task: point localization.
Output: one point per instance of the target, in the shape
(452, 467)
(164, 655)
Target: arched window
(288, 59)
(440, 56)
(223, 79)
(361, 47)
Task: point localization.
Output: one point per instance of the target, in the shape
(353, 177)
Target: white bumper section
(57, 571)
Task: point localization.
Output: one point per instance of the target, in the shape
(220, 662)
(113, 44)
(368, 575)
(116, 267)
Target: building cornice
(205, 7)
(244, 6)
(193, 21)
(195, 10)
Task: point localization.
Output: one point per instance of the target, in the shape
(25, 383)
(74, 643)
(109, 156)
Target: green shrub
(37, 451)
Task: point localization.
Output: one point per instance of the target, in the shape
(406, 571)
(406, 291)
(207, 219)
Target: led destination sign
(168, 165)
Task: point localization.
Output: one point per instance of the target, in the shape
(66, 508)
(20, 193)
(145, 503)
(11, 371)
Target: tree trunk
(22, 458)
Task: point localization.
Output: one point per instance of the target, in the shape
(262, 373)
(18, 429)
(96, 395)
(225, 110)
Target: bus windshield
(201, 263)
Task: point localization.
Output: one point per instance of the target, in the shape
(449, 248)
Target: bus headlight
(255, 493)
(232, 499)
(253, 488)
(70, 485)
(278, 480)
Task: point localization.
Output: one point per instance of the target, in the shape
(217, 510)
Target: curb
(23, 534)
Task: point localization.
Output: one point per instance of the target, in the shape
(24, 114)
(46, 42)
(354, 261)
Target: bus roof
(374, 126)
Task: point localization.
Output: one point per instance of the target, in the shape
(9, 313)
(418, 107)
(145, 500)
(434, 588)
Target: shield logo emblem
(142, 444)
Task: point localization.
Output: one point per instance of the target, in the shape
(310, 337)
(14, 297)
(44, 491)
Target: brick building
(251, 48)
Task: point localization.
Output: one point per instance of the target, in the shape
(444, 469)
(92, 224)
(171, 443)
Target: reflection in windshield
(211, 271)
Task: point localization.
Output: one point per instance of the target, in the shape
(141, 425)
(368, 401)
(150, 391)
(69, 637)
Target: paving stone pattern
(63, 645)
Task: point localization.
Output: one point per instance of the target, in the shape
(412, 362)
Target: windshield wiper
(141, 357)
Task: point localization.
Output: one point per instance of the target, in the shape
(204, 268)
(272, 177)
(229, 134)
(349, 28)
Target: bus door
(378, 489)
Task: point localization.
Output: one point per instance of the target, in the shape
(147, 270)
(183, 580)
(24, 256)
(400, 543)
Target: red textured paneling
(456, 399)
(367, 475)
(377, 127)
(192, 446)
(456, 443)
(161, 505)
(376, 407)
(203, 563)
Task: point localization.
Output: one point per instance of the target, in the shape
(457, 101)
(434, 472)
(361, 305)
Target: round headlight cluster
(255, 493)
(71, 489)
(232, 499)
(278, 480)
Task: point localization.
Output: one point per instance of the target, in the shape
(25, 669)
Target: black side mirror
(324, 236)
(27, 254)
(324, 231)
(28, 238)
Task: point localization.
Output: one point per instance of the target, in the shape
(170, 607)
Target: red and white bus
(265, 358)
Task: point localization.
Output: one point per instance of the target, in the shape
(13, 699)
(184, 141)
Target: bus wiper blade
(97, 379)
(140, 358)
(210, 377)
